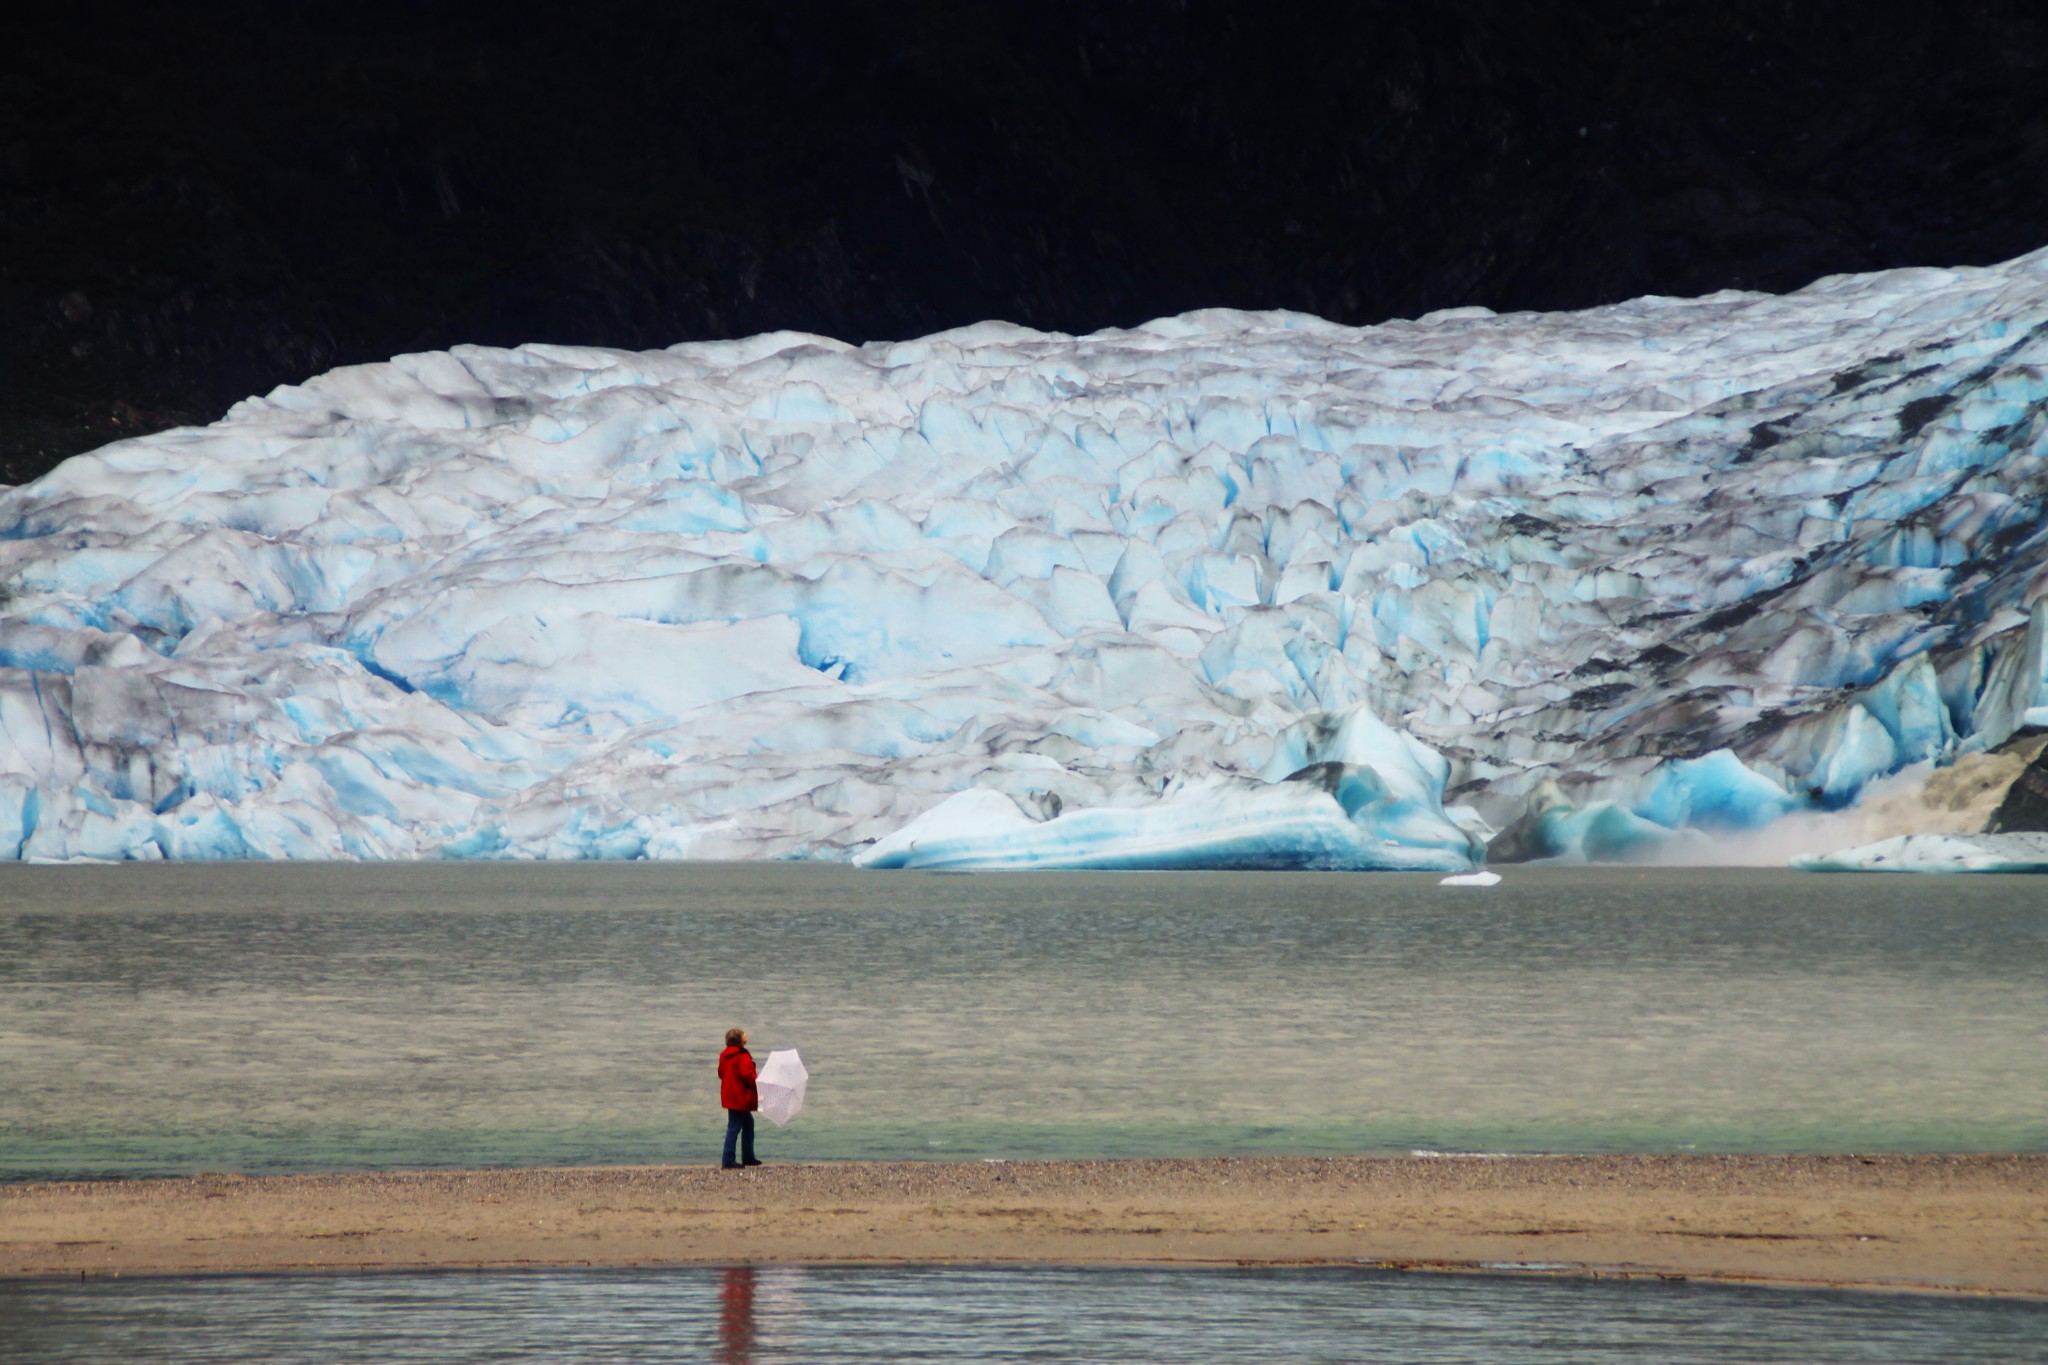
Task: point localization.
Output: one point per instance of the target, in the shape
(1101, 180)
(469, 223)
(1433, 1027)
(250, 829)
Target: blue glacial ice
(1226, 589)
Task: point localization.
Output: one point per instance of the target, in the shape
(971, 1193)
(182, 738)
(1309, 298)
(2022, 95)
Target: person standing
(741, 1097)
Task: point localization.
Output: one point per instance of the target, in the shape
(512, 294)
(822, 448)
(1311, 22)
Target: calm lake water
(275, 1017)
(742, 1316)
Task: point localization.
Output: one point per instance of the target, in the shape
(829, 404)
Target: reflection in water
(967, 1316)
(758, 1318)
(736, 1316)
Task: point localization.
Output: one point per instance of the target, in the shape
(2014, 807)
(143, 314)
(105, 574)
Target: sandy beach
(1953, 1223)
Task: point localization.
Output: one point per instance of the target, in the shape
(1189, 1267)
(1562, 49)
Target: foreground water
(270, 1017)
(741, 1316)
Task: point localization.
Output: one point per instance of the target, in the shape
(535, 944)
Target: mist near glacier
(1230, 589)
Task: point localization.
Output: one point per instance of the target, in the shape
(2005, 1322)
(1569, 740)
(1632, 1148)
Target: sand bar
(1959, 1223)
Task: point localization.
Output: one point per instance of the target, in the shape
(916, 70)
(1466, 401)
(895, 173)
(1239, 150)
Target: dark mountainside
(193, 212)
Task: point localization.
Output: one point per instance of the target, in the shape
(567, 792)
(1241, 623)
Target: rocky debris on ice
(1228, 588)
(1938, 853)
(2024, 809)
(2014, 838)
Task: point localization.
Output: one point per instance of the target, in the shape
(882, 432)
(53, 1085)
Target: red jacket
(736, 1080)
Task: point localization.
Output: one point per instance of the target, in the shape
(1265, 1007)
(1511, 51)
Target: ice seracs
(1243, 589)
(1370, 796)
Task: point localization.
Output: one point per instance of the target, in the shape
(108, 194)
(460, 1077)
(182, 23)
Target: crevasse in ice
(1226, 589)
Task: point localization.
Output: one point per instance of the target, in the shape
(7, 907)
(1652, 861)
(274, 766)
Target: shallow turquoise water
(743, 1316)
(267, 1017)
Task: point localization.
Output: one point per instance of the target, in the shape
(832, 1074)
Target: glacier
(1243, 589)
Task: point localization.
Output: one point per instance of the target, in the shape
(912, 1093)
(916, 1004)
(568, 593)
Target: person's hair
(735, 1037)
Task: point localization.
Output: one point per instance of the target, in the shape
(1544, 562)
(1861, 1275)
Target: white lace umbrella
(781, 1082)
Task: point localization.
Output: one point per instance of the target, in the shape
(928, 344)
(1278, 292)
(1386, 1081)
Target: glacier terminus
(1229, 589)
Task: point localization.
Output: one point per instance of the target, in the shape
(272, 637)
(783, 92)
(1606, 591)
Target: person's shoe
(751, 1161)
(728, 1165)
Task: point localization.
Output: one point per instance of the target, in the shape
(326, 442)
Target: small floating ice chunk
(1480, 878)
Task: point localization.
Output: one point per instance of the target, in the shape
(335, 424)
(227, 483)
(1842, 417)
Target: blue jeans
(739, 1128)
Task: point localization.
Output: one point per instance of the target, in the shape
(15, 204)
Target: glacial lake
(817, 1316)
(262, 1017)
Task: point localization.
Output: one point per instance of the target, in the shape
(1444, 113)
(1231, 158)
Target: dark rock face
(192, 211)
(2025, 807)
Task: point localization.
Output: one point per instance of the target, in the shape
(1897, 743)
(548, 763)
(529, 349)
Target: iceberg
(1232, 589)
(1937, 853)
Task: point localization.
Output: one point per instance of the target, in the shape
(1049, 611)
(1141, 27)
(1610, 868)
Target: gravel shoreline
(1960, 1223)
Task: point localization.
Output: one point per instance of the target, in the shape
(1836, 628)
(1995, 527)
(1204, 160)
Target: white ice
(1938, 853)
(1243, 589)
